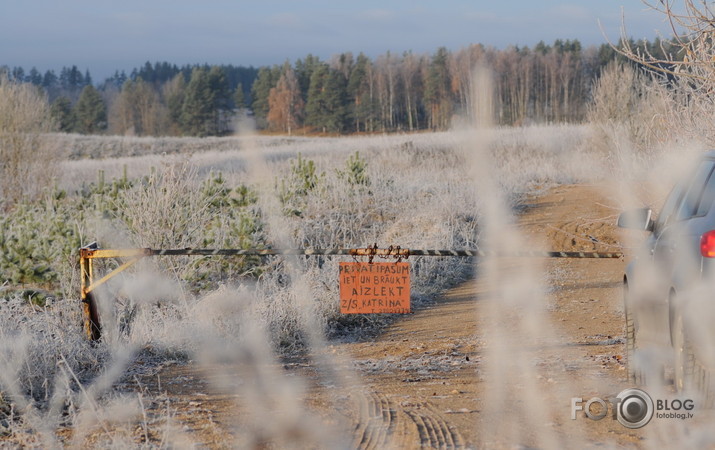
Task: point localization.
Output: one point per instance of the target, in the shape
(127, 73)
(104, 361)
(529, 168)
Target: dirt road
(429, 378)
(472, 370)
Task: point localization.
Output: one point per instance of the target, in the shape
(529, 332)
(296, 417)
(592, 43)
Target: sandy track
(431, 378)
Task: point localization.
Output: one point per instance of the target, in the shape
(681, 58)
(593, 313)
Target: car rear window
(689, 206)
(708, 196)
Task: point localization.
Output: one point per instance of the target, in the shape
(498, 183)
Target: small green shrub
(34, 239)
(234, 222)
(355, 172)
(302, 180)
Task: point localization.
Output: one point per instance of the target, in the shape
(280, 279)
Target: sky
(103, 36)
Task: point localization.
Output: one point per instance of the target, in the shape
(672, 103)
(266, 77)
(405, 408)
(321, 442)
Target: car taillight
(707, 244)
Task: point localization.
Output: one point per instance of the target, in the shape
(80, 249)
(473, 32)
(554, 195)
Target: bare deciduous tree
(26, 156)
(285, 104)
(412, 83)
(628, 104)
(686, 65)
(137, 110)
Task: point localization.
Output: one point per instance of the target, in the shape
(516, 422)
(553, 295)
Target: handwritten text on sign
(374, 288)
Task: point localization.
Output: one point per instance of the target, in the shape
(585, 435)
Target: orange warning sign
(374, 288)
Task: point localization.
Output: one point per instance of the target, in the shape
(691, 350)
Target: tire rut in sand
(376, 422)
(433, 429)
(384, 424)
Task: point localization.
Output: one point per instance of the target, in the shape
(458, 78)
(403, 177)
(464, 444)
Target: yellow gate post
(90, 307)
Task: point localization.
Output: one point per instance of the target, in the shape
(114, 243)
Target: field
(253, 352)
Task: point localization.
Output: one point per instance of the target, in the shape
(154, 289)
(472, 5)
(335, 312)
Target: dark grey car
(669, 283)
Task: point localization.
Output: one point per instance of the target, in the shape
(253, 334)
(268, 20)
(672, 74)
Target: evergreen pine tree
(35, 77)
(315, 108)
(239, 98)
(327, 98)
(90, 111)
(62, 114)
(197, 109)
(361, 104)
(437, 90)
(49, 79)
(335, 95)
(174, 92)
(221, 101)
(18, 75)
(71, 78)
(304, 71)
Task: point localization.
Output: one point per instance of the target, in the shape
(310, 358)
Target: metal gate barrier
(92, 324)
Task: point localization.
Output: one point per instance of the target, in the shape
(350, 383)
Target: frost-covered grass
(412, 190)
(552, 153)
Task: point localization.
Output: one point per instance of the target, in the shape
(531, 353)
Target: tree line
(345, 94)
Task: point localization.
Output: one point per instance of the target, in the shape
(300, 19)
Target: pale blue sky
(103, 35)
